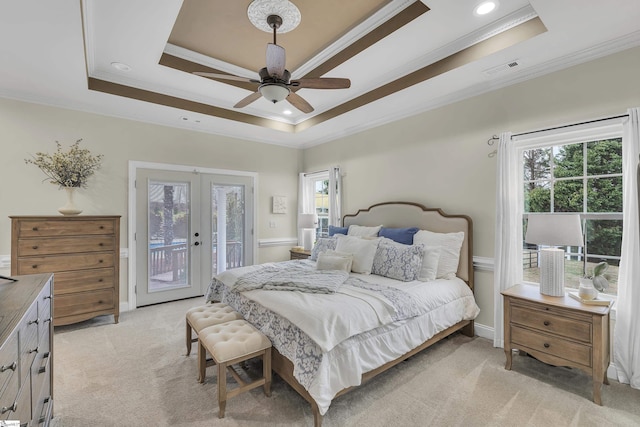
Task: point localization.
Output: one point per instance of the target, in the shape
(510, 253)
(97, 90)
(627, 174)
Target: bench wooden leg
(189, 338)
(222, 388)
(266, 371)
(202, 362)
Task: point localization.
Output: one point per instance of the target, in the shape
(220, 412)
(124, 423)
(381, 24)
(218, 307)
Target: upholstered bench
(230, 343)
(207, 315)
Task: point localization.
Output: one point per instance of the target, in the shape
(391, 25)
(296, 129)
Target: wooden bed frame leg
(468, 330)
(317, 418)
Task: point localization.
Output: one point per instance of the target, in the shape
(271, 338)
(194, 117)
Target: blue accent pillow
(400, 235)
(337, 230)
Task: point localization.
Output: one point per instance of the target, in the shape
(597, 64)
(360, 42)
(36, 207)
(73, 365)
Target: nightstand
(299, 254)
(559, 331)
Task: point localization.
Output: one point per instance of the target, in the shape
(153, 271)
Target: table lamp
(553, 230)
(307, 223)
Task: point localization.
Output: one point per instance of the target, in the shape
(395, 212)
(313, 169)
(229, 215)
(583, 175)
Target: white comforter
(355, 329)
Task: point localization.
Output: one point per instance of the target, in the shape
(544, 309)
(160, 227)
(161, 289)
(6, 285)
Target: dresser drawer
(547, 321)
(549, 344)
(9, 361)
(21, 407)
(40, 373)
(9, 396)
(83, 302)
(54, 264)
(28, 340)
(84, 280)
(65, 245)
(75, 227)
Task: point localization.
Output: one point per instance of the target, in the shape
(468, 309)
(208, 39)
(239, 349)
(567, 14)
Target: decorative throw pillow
(429, 268)
(397, 261)
(322, 245)
(449, 244)
(363, 251)
(400, 235)
(333, 260)
(333, 230)
(363, 231)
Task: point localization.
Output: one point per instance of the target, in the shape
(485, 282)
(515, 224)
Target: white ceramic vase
(586, 290)
(70, 207)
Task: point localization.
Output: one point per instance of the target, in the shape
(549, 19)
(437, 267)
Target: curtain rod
(572, 124)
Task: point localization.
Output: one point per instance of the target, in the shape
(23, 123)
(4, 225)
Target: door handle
(196, 244)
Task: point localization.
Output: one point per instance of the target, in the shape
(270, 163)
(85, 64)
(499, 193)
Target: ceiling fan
(275, 81)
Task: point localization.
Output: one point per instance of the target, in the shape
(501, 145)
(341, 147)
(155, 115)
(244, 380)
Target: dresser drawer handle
(102, 227)
(100, 244)
(34, 266)
(12, 408)
(35, 350)
(546, 323)
(100, 261)
(35, 228)
(34, 247)
(547, 345)
(100, 280)
(13, 367)
(48, 320)
(31, 322)
(48, 297)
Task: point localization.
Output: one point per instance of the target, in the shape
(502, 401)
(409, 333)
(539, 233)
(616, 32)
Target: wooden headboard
(407, 214)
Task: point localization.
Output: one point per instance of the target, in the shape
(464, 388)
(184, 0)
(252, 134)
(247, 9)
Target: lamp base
(552, 272)
(307, 238)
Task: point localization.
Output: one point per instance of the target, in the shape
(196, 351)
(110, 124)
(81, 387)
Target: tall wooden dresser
(84, 254)
(26, 350)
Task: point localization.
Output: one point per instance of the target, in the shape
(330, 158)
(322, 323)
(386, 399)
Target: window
(582, 177)
(320, 194)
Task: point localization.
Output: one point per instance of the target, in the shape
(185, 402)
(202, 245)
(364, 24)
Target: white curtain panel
(305, 201)
(626, 348)
(335, 196)
(508, 244)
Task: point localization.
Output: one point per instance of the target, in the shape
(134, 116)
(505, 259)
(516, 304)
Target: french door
(189, 226)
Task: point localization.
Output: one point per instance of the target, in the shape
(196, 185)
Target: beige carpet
(135, 374)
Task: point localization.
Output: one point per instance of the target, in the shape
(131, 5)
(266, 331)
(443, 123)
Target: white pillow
(363, 251)
(332, 260)
(362, 231)
(449, 244)
(429, 269)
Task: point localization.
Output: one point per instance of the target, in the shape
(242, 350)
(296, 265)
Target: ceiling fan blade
(248, 100)
(226, 77)
(322, 83)
(299, 102)
(275, 60)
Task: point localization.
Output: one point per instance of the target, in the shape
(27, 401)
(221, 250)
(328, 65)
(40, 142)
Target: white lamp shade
(307, 221)
(554, 230)
(274, 92)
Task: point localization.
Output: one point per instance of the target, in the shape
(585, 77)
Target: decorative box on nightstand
(299, 253)
(559, 331)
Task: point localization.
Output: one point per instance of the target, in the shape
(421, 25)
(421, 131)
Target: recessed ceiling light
(120, 66)
(485, 7)
(287, 112)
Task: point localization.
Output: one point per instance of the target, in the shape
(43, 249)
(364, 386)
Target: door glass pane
(227, 226)
(169, 216)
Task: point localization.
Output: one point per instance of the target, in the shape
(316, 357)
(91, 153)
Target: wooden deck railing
(173, 259)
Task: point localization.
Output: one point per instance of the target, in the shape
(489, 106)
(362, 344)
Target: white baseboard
(484, 331)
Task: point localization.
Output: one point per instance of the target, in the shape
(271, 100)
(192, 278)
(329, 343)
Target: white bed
(325, 344)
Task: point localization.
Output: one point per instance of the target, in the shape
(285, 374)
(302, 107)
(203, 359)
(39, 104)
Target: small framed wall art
(279, 205)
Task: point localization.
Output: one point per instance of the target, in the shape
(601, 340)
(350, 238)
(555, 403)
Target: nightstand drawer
(548, 322)
(554, 346)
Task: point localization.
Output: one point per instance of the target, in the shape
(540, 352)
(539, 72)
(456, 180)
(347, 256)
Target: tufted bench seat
(207, 315)
(230, 343)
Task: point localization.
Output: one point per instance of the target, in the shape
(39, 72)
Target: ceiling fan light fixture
(260, 10)
(274, 92)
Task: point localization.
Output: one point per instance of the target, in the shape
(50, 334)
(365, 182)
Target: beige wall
(28, 128)
(439, 158)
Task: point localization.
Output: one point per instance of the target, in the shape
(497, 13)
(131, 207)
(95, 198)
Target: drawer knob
(35, 350)
(34, 247)
(100, 280)
(34, 266)
(547, 345)
(35, 228)
(48, 297)
(13, 367)
(12, 408)
(100, 244)
(546, 323)
(31, 322)
(48, 320)
(100, 261)
(102, 227)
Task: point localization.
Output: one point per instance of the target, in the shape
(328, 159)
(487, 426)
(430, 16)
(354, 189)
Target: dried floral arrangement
(67, 168)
